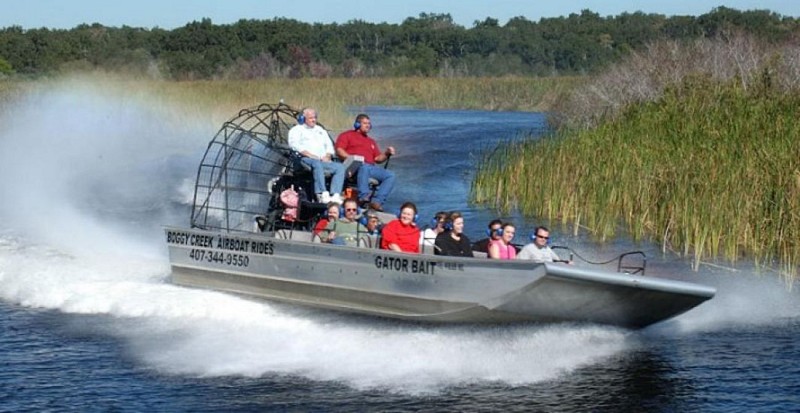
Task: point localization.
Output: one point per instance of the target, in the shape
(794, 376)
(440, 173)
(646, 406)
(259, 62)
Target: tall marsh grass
(711, 168)
(645, 74)
(218, 100)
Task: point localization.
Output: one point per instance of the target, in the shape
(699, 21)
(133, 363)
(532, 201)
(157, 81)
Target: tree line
(427, 45)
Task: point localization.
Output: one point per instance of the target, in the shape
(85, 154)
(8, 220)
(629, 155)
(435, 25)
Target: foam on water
(73, 177)
(204, 333)
(401, 358)
(744, 298)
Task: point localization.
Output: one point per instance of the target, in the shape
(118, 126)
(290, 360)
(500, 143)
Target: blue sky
(169, 14)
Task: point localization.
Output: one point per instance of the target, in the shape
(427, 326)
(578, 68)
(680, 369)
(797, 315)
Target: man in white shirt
(314, 144)
(538, 250)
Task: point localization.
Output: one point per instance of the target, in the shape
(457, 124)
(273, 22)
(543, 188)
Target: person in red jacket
(333, 215)
(402, 234)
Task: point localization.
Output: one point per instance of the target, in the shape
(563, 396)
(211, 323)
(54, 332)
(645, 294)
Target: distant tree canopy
(427, 45)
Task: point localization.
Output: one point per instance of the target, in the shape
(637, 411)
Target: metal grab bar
(628, 268)
(637, 269)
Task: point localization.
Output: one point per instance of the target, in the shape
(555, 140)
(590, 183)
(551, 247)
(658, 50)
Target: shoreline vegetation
(691, 145)
(430, 45)
(215, 101)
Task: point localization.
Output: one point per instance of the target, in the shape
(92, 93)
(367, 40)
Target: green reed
(710, 170)
(215, 101)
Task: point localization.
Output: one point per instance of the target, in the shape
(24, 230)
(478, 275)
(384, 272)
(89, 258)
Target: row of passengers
(403, 235)
(447, 231)
(400, 235)
(499, 244)
(442, 222)
(313, 143)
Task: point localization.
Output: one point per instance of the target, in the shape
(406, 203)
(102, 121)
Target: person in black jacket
(452, 241)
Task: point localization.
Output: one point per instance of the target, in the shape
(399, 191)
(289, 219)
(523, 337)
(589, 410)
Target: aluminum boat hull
(422, 287)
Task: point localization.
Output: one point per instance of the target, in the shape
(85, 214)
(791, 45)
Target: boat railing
(295, 235)
(368, 241)
(632, 268)
(480, 254)
(626, 262)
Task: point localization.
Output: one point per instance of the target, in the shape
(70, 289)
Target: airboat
(240, 241)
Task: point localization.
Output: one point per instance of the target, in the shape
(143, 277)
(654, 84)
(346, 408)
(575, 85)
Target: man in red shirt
(357, 142)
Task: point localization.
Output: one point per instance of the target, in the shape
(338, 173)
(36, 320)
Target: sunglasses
(542, 237)
(350, 209)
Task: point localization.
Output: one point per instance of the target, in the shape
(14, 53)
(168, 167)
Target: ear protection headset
(301, 118)
(444, 218)
(416, 216)
(536, 231)
(357, 123)
(498, 232)
(447, 225)
(364, 220)
(434, 222)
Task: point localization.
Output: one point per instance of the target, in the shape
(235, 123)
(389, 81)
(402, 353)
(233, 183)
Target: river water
(90, 321)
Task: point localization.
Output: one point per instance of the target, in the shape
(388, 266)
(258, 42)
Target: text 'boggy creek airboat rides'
(241, 240)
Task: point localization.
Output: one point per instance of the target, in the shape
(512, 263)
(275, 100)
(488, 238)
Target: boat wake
(84, 197)
(176, 330)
